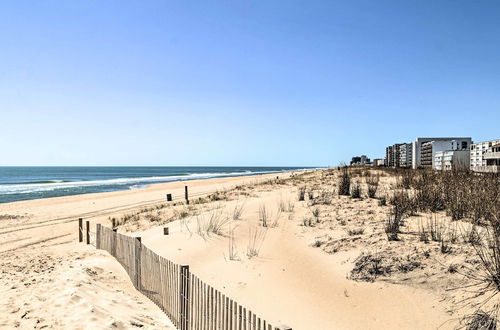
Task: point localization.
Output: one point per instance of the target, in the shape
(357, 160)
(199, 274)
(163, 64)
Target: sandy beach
(50, 281)
(297, 276)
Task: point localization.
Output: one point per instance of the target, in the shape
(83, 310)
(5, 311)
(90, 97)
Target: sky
(255, 83)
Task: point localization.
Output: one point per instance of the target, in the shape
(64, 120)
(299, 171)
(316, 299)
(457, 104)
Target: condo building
(485, 156)
(392, 155)
(425, 149)
(405, 154)
(451, 160)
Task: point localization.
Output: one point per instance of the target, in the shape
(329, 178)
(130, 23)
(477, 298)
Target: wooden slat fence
(190, 303)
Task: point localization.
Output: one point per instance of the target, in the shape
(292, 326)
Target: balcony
(488, 169)
(491, 155)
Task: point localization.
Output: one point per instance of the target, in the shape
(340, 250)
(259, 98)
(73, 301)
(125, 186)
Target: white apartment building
(451, 159)
(405, 155)
(431, 145)
(485, 156)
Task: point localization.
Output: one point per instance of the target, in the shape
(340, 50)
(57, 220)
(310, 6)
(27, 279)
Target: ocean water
(23, 183)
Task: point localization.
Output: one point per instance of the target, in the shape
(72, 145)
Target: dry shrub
(356, 190)
(480, 320)
(407, 178)
(345, 181)
(323, 198)
(394, 222)
(372, 183)
(368, 266)
(302, 193)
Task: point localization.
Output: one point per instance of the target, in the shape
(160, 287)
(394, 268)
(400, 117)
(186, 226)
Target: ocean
(23, 183)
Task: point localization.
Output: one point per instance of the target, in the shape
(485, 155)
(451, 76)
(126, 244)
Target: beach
(52, 281)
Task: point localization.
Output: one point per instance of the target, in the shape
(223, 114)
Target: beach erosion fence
(189, 302)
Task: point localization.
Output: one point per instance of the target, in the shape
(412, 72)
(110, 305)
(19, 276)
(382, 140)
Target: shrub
(355, 231)
(345, 181)
(372, 183)
(356, 191)
(302, 193)
(393, 223)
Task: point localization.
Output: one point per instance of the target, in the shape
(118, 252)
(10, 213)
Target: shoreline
(176, 188)
(153, 186)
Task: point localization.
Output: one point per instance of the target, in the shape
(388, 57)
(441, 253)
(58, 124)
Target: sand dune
(49, 280)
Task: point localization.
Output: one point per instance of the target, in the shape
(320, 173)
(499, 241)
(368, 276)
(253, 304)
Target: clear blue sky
(241, 82)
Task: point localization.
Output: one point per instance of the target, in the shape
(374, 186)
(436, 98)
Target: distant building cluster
(440, 153)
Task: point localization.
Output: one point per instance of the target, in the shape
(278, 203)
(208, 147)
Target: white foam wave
(37, 187)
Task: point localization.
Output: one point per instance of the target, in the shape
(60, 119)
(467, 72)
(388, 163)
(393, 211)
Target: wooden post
(165, 231)
(113, 243)
(169, 197)
(88, 231)
(138, 246)
(113, 223)
(80, 230)
(184, 294)
(186, 195)
(98, 236)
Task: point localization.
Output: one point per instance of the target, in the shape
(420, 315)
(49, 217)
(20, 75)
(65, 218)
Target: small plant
(237, 212)
(302, 193)
(317, 243)
(310, 194)
(436, 228)
(308, 222)
(218, 196)
(215, 224)
(356, 191)
(263, 216)
(233, 253)
(345, 181)
(355, 231)
(445, 247)
(480, 320)
(276, 220)
(423, 234)
(287, 206)
(316, 213)
(393, 223)
(256, 238)
(372, 183)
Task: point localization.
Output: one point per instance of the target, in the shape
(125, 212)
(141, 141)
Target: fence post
(98, 236)
(80, 230)
(169, 197)
(138, 246)
(113, 243)
(184, 296)
(88, 231)
(165, 231)
(186, 195)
